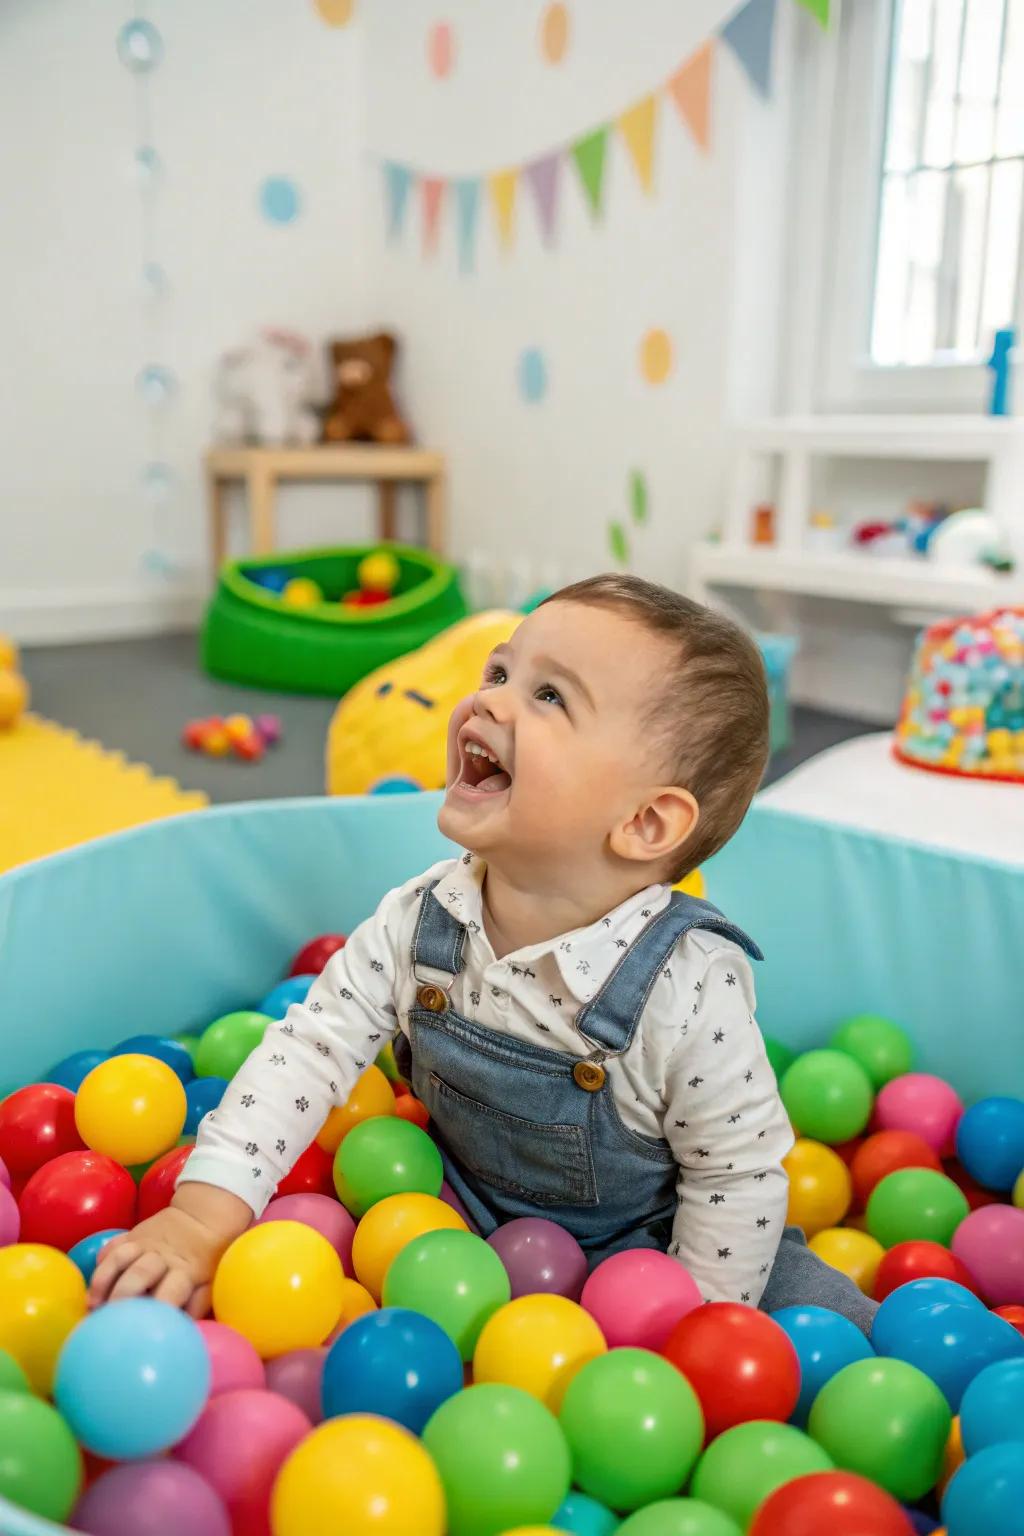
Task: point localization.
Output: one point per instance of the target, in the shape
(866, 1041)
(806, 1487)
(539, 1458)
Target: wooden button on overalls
(432, 998)
(589, 1075)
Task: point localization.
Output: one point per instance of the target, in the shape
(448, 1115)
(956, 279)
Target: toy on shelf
(378, 576)
(238, 736)
(265, 392)
(301, 592)
(363, 408)
(14, 694)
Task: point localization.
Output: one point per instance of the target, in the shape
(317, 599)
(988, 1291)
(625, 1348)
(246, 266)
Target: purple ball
(151, 1498)
(540, 1256)
(297, 1376)
(449, 1197)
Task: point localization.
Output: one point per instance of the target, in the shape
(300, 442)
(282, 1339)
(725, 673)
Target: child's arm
(729, 1131)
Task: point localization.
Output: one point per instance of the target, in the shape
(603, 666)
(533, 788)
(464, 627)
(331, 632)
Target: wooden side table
(262, 469)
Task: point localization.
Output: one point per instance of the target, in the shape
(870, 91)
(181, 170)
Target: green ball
(915, 1203)
(40, 1463)
(679, 1517)
(634, 1425)
(886, 1420)
(879, 1046)
(12, 1377)
(227, 1042)
(828, 1096)
(385, 1156)
(744, 1465)
(502, 1459)
(454, 1278)
(191, 1044)
(780, 1057)
(386, 1062)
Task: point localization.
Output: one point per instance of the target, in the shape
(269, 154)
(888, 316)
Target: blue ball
(986, 1495)
(132, 1378)
(581, 1515)
(953, 1343)
(171, 1052)
(825, 1342)
(396, 784)
(396, 1363)
(202, 1095)
(74, 1069)
(992, 1408)
(899, 1305)
(990, 1141)
(86, 1253)
(270, 578)
(280, 998)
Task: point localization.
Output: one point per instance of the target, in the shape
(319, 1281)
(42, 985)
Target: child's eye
(494, 675)
(548, 695)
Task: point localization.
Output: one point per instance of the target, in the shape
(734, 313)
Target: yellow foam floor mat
(57, 789)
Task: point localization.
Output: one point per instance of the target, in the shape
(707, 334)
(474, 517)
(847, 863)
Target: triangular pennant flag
(749, 35)
(690, 89)
(543, 179)
(467, 206)
(818, 9)
(637, 129)
(433, 195)
(503, 186)
(588, 154)
(397, 182)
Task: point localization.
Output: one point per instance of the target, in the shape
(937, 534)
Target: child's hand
(172, 1255)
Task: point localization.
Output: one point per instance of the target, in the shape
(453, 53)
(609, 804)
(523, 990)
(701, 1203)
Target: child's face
(560, 707)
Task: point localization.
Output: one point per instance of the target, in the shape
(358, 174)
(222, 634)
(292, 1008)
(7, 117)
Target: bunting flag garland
(637, 129)
(588, 154)
(433, 188)
(397, 184)
(749, 34)
(543, 177)
(467, 207)
(690, 89)
(503, 187)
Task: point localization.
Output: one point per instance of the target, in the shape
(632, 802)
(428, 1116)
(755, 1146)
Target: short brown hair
(712, 715)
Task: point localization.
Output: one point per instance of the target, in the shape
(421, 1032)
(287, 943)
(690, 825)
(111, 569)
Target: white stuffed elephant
(265, 392)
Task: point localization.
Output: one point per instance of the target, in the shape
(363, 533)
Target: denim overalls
(528, 1131)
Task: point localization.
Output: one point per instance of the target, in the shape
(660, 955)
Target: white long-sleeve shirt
(695, 1072)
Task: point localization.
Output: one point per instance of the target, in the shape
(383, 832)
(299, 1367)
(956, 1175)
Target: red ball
(73, 1196)
(919, 1260)
(313, 1174)
(37, 1123)
(739, 1362)
(156, 1186)
(408, 1107)
(839, 1503)
(977, 1196)
(1013, 1314)
(312, 957)
(882, 1154)
(847, 1150)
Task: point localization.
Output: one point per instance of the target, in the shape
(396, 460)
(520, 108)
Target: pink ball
(637, 1297)
(10, 1217)
(238, 1444)
(923, 1104)
(298, 1376)
(322, 1212)
(990, 1241)
(5, 1178)
(235, 1364)
(151, 1498)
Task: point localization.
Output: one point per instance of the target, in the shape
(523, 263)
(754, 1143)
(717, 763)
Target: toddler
(583, 1036)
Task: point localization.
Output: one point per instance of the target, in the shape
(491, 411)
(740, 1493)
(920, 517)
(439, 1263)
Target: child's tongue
(495, 783)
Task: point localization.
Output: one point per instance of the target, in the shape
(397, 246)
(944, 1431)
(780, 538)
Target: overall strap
(439, 938)
(613, 1013)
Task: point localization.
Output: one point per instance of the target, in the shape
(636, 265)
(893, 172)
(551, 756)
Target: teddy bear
(265, 392)
(363, 408)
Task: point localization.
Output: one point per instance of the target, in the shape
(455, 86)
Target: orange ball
(355, 1301)
(409, 1107)
(372, 1095)
(885, 1152)
(388, 1226)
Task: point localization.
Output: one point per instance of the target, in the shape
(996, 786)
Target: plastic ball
(739, 1362)
(312, 1173)
(372, 1095)
(280, 998)
(502, 1458)
(131, 1108)
(992, 1407)
(679, 1517)
(361, 1476)
(42, 1298)
(86, 1252)
(887, 1421)
(37, 1123)
(12, 1377)
(539, 1255)
(151, 1498)
(987, 1493)
(839, 1503)
(226, 1043)
(280, 1286)
(637, 1297)
(455, 1279)
(1018, 1191)
(73, 1196)
(741, 1468)
(408, 1107)
(923, 1104)
(5, 1177)
(302, 592)
(356, 1301)
(1012, 1315)
(537, 1343)
(202, 1095)
(72, 1070)
(40, 1464)
(394, 1363)
(825, 1343)
(10, 1217)
(581, 1515)
(820, 1190)
(320, 1212)
(951, 1342)
(855, 1254)
(388, 1226)
(312, 957)
(298, 1376)
(269, 729)
(990, 1141)
(919, 1261)
(237, 1446)
(886, 1152)
(234, 1364)
(780, 1057)
(990, 1242)
(385, 1156)
(132, 1378)
(915, 1203)
(189, 1043)
(827, 1095)
(977, 1194)
(171, 1052)
(876, 1044)
(158, 1183)
(378, 572)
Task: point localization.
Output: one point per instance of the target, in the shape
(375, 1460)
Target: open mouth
(481, 771)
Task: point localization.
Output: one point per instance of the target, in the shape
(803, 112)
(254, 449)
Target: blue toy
(396, 1363)
(581, 1515)
(271, 578)
(280, 998)
(825, 1342)
(953, 1343)
(900, 1305)
(201, 1095)
(87, 1252)
(992, 1408)
(171, 1052)
(990, 1141)
(396, 784)
(74, 1069)
(986, 1494)
(999, 363)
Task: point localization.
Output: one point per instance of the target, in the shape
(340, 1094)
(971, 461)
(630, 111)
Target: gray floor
(137, 695)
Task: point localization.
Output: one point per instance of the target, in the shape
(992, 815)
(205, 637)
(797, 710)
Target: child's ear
(658, 827)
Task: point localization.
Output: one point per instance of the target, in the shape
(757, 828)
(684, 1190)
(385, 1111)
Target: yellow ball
(355, 1301)
(1018, 1191)
(360, 1475)
(855, 1254)
(280, 1285)
(302, 592)
(378, 572)
(372, 1095)
(953, 1457)
(42, 1297)
(132, 1108)
(388, 1226)
(238, 727)
(820, 1190)
(537, 1343)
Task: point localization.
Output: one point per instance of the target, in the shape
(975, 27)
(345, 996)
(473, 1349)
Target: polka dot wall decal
(656, 356)
(441, 50)
(533, 375)
(618, 543)
(336, 13)
(139, 46)
(554, 32)
(156, 384)
(279, 199)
